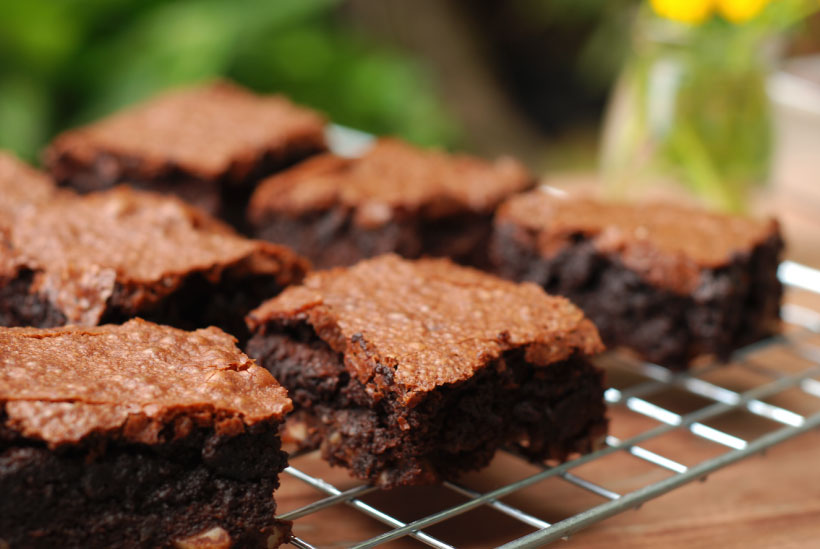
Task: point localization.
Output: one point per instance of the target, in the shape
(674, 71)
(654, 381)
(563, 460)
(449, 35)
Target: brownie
(670, 282)
(209, 145)
(109, 256)
(21, 187)
(395, 198)
(137, 435)
(413, 371)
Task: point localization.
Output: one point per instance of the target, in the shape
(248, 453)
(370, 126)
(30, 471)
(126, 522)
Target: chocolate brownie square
(137, 435)
(667, 281)
(109, 256)
(395, 198)
(411, 372)
(209, 145)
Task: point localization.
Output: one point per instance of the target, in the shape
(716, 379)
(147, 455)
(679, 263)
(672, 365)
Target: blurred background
(533, 78)
(476, 74)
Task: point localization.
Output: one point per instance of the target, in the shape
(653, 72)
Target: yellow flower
(738, 11)
(685, 11)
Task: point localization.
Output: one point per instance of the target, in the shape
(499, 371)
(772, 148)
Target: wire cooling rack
(788, 365)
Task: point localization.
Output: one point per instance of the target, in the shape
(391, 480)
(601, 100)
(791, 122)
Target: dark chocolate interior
(19, 306)
(732, 306)
(331, 238)
(197, 303)
(547, 412)
(104, 493)
(225, 197)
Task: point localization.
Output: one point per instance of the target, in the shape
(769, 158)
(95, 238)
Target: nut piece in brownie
(395, 198)
(137, 435)
(670, 282)
(411, 372)
(109, 256)
(209, 145)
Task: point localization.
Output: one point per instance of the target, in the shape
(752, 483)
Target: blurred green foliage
(64, 63)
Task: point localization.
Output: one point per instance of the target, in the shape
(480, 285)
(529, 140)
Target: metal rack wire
(803, 325)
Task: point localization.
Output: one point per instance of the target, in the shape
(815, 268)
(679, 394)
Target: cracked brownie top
(430, 321)
(135, 382)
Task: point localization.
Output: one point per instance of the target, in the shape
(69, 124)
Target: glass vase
(690, 114)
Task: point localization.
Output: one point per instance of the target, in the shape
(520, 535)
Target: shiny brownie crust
(545, 412)
(731, 305)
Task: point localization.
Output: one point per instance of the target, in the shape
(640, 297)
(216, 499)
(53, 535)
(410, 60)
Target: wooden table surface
(764, 501)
